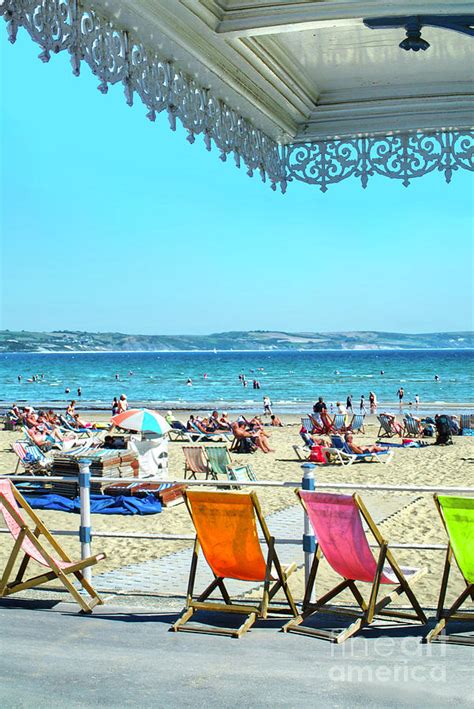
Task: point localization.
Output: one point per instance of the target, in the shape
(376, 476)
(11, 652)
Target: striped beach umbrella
(142, 420)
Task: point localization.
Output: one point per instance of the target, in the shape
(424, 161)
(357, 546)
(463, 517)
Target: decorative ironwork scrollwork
(401, 157)
(114, 55)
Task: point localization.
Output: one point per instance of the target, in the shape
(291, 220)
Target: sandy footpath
(417, 522)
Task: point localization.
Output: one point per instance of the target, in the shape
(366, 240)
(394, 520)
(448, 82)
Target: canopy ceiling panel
(297, 90)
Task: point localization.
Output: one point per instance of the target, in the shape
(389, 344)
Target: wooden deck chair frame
(444, 616)
(358, 429)
(7, 587)
(368, 610)
(252, 610)
(214, 468)
(188, 468)
(386, 429)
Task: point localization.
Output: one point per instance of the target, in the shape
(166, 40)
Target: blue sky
(98, 203)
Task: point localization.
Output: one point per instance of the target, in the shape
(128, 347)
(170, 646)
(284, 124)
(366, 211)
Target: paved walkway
(169, 574)
(121, 656)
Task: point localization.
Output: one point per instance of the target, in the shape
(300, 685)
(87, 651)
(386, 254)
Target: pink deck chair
(337, 523)
(14, 508)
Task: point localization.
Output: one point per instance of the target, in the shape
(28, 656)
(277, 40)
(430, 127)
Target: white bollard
(85, 527)
(309, 542)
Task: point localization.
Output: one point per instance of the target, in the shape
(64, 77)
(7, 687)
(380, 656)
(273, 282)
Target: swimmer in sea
(19, 377)
(189, 383)
(437, 378)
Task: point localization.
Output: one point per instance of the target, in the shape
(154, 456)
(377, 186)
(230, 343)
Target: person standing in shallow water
(400, 394)
(115, 406)
(349, 403)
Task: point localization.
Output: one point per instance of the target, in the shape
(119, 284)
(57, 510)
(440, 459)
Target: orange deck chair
(337, 523)
(14, 509)
(226, 530)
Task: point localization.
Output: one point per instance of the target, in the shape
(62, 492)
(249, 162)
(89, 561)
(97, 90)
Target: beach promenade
(124, 655)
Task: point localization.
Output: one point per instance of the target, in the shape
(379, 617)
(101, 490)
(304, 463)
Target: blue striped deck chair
(241, 473)
(307, 423)
(339, 422)
(30, 457)
(412, 427)
(467, 424)
(357, 424)
(386, 429)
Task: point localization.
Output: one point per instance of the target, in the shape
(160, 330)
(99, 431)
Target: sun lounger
(31, 457)
(66, 425)
(226, 530)
(195, 462)
(199, 435)
(357, 424)
(341, 445)
(302, 452)
(337, 521)
(45, 551)
(218, 460)
(457, 515)
(180, 434)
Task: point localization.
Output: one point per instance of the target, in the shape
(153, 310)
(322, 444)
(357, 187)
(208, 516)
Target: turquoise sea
(293, 380)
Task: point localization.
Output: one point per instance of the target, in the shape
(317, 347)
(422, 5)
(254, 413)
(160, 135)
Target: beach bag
(443, 431)
(317, 455)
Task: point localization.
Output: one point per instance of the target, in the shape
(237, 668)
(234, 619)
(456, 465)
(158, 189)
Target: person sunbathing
(275, 421)
(80, 423)
(394, 423)
(239, 431)
(354, 448)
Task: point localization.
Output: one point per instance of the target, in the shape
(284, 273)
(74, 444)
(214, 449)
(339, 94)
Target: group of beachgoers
(48, 429)
(242, 428)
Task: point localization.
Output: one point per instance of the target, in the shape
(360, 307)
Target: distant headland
(12, 341)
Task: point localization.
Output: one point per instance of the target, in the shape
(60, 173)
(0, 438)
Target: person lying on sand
(275, 421)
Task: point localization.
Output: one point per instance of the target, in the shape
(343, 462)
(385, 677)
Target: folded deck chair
(31, 457)
(457, 515)
(413, 428)
(218, 459)
(387, 429)
(337, 523)
(16, 511)
(226, 530)
(357, 424)
(195, 462)
(339, 422)
(342, 446)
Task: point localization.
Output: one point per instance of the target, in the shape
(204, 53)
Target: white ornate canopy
(310, 90)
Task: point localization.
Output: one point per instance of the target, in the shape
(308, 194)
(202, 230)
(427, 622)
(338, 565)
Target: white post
(309, 542)
(85, 500)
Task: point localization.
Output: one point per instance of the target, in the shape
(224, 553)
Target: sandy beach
(414, 520)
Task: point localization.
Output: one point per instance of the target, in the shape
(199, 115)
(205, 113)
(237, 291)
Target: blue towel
(103, 504)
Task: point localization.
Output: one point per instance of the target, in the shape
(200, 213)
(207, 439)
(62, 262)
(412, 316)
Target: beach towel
(100, 504)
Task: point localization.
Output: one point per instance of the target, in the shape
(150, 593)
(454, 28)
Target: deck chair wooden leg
(358, 596)
(11, 561)
(268, 573)
(444, 583)
(85, 606)
(376, 584)
(88, 588)
(450, 615)
(192, 573)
